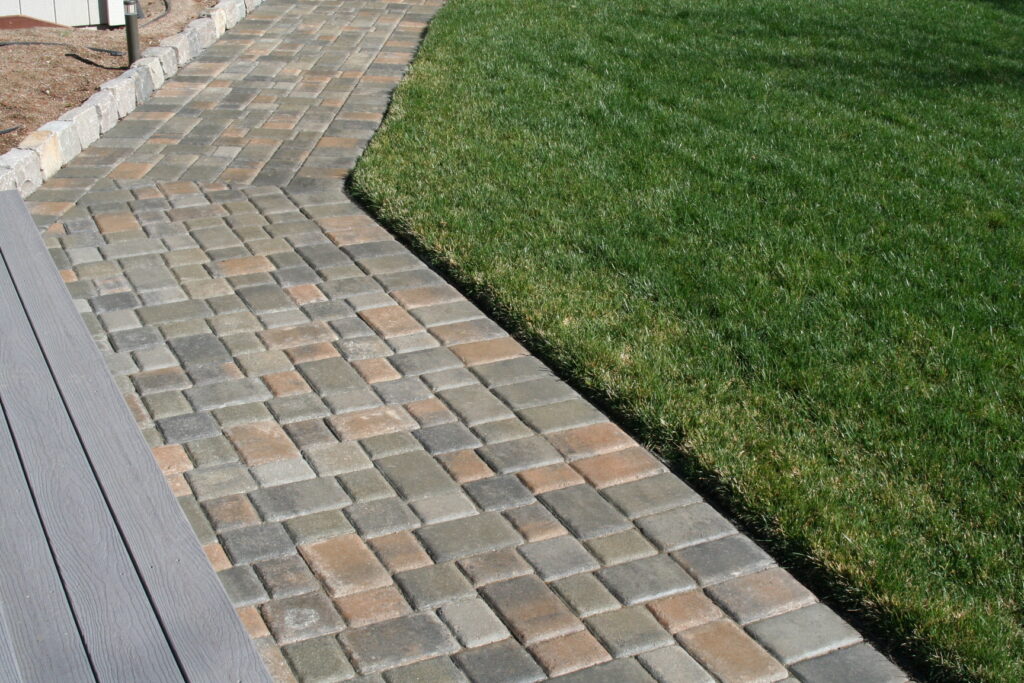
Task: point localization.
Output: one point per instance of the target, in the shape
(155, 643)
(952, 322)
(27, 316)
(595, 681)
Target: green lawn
(783, 240)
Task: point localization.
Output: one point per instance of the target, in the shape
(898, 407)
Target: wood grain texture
(114, 615)
(194, 609)
(9, 670)
(44, 641)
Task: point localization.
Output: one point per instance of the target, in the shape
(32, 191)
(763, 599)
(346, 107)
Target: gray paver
(685, 526)
(499, 493)
(558, 557)
(521, 454)
(614, 671)
(319, 660)
(468, 536)
(301, 617)
(503, 662)
(301, 498)
(473, 622)
(629, 631)
(804, 633)
(723, 559)
(646, 579)
(437, 669)
(857, 664)
(585, 512)
(675, 665)
(422, 636)
(431, 586)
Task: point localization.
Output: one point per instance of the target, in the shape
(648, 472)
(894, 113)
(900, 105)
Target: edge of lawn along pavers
(54, 144)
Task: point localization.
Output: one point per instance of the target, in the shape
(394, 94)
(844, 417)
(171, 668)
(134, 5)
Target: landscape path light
(131, 26)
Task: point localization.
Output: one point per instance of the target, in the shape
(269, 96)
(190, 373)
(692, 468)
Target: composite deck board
(197, 617)
(48, 646)
(9, 670)
(114, 615)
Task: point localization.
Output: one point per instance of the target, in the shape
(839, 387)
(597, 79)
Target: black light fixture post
(131, 26)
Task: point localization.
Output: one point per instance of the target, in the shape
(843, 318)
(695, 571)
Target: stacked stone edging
(48, 149)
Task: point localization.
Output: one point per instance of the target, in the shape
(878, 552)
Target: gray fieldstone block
(182, 48)
(46, 147)
(153, 67)
(206, 30)
(67, 139)
(167, 56)
(105, 102)
(86, 122)
(234, 11)
(219, 15)
(21, 170)
(123, 90)
(444, 507)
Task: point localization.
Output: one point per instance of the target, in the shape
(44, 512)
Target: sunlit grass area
(784, 241)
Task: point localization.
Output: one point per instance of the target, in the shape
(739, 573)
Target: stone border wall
(48, 149)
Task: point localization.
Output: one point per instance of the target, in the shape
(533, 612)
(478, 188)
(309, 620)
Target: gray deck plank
(46, 647)
(197, 616)
(120, 630)
(9, 670)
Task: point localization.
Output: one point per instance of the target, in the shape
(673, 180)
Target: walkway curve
(390, 487)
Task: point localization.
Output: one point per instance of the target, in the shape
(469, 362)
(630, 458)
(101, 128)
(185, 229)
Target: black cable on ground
(104, 50)
(5, 131)
(167, 10)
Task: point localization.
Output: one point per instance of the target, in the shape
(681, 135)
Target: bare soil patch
(41, 82)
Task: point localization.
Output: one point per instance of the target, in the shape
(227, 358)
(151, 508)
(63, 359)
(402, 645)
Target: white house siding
(68, 12)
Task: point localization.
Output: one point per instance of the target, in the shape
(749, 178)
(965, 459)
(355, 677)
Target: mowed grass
(784, 241)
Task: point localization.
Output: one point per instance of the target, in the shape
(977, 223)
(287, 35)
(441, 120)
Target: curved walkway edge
(390, 487)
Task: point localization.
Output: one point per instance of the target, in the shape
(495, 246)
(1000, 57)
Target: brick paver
(387, 482)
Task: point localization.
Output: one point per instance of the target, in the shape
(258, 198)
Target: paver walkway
(388, 483)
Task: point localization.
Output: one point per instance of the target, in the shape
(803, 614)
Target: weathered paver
(390, 486)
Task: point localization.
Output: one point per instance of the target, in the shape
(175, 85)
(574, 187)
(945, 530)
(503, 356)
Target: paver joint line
(387, 482)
